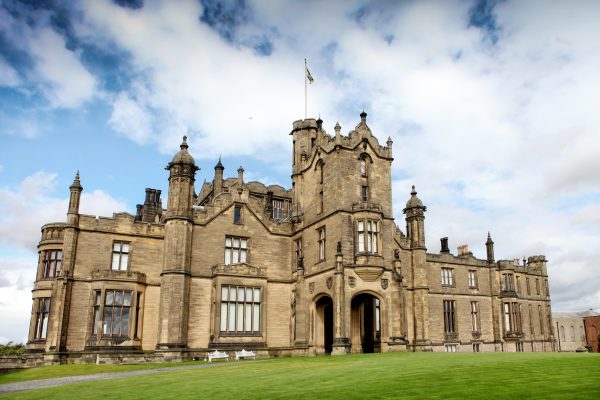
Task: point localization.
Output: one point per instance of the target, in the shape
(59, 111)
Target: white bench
(216, 355)
(245, 354)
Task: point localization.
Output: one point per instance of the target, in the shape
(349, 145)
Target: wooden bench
(216, 355)
(244, 354)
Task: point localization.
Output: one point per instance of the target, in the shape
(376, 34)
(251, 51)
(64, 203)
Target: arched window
(363, 166)
(572, 333)
(562, 332)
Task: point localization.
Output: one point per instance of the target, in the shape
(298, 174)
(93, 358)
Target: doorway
(324, 325)
(366, 324)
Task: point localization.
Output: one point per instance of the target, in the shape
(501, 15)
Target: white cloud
(56, 71)
(8, 76)
(65, 81)
(24, 209)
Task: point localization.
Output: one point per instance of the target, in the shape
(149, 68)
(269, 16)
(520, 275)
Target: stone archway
(323, 337)
(365, 328)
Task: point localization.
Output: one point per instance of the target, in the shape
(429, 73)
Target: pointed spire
(76, 182)
(219, 165)
(489, 239)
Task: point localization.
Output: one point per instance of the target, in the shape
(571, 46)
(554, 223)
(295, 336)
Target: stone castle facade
(321, 268)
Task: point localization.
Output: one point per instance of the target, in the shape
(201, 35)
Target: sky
(492, 107)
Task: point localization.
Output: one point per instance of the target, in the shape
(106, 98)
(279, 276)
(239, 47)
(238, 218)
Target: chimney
(445, 248)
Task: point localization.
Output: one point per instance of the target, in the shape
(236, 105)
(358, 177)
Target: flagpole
(305, 89)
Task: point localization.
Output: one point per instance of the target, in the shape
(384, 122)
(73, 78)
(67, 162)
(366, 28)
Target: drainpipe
(558, 336)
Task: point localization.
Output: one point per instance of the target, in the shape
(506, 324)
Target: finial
(337, 127)
(219, 165)
(389, 141)
(363, 116)
(184, 144)
(240, 169)
(414, 192)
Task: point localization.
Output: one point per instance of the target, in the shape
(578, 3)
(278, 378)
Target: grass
(59, 371)
(373, 376)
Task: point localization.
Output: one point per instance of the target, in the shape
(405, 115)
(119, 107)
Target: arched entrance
(323, 325)
(366, 324)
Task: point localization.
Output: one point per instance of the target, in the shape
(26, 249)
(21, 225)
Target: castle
(321, 268)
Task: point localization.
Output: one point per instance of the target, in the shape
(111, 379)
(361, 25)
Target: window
(320, 209)
(527, 285)
(377, 316)
(450, 348)
(447, 277)
(541, 319)
(449, 316)
(321, 233)
(475, 316)
(537, 286)
(41, 317)
(512, 317)
(117, 305)
(298, 252)
(237, 215)
(138, 305)
(547, 288)
(240, 309)
(236, 250)
(476, 348)
(507, 282)
(363, 166)
(518, 282)
(531, 321)
(562, 332)
(278, 209)
(519, 347)
(120, 256)
(367, 236)
(364, 193)
(51, 263)
(473, 279)
(96, 319)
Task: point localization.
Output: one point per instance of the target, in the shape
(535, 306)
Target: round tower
(175, 276)
(415, 221)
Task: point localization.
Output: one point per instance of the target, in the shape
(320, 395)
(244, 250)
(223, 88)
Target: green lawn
(58, 371)
(391, 375)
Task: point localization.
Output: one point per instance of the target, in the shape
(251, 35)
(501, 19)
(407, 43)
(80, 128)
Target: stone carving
(384, 283)
(352, 281)
(329, 282)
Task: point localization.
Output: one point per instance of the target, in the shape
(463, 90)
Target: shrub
(12, 349)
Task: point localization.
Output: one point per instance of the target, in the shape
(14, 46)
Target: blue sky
(492, 106)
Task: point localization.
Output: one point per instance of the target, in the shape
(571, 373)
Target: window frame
(121, 311)
(120, 252)
(238, 215)
(475, 323)
(322, 243)
(447, 276)
(51, 263)
(449, 309)
(42, 318)
(472, 279)
(250, 323)
(367, 236)
(231, 250)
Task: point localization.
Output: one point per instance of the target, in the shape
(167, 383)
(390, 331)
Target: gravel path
(45, 383)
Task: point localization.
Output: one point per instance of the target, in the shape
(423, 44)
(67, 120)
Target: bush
(12, 349)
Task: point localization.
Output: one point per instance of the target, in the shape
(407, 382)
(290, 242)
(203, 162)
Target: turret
(489, 246)
(74, 200)
(218, 183)
(415, 220)
(182, 170)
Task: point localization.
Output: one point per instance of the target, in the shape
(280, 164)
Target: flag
(309, 76)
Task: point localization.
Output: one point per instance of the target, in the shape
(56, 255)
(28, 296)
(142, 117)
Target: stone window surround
(371, 236)
(124, 255)
(50, 263)
(260, 303)
(136, 309)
